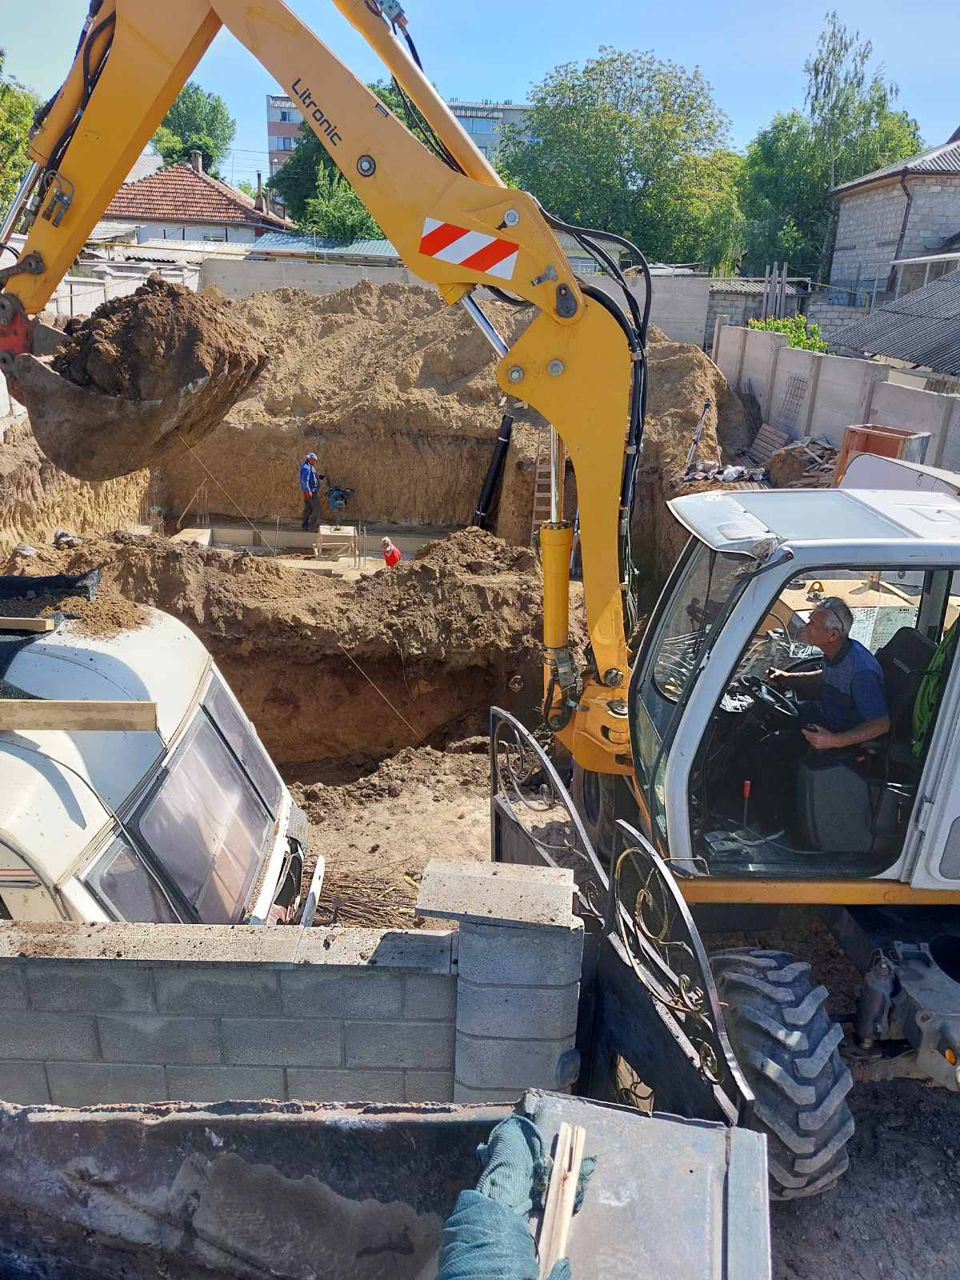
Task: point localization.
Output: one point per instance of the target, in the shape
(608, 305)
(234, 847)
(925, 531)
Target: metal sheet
(922, 328)
(700, 1186)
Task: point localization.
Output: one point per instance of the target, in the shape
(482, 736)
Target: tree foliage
(628, 143)
(849, 129)
(316, 194)
(17, 107)
(802, 332)
(197, 121)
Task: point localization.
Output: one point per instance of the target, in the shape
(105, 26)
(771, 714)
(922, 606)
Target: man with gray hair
(845, 703)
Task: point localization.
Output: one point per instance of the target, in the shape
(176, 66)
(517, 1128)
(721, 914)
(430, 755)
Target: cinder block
(291, 1042)
(403, 1044)
(344, 1086)
(218, 990)
(149, 1038)
(23, 1082)
(429, 997)
(84, 1084)
(485, 1063)
(220, 1084)
(13, 994)
(48, 1035)
(346, 993)
(517, 1013)
(521, 957)
(428, 1086)
(413, 950)
(89, 986)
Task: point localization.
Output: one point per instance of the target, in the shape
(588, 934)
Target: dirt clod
(152, 343)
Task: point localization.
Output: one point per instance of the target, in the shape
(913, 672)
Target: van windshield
(207, 826)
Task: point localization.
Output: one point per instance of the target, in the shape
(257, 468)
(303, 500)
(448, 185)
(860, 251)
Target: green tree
(621, 143)
(849, 129)
(197, 121)
(336, 210)
(17, 107)
(310, 175)
(247, 188)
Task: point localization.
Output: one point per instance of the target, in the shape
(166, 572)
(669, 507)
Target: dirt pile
(325, 668)
(107, 614)
(157, 368)
(681, 378)
(153, 342)
(36, 498)
(391, 387)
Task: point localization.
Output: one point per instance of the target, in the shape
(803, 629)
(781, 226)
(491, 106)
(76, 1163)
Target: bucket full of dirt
(144, 375)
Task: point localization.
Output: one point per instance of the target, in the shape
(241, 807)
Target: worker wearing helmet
(392, 555)
(310, 489)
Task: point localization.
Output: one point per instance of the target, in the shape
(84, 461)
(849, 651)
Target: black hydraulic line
(559, 225)
(494, 472)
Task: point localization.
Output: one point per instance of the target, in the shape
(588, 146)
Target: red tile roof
(179, 194)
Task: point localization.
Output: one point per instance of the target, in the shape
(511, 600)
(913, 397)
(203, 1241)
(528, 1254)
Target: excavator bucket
(146, 374)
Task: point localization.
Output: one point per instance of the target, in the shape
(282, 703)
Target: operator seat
(858, 801)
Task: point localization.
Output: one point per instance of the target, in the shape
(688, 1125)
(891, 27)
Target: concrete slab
(496, 892)
(234, 535)
(203, 537)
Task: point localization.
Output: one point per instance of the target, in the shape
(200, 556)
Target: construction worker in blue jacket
(310, 489)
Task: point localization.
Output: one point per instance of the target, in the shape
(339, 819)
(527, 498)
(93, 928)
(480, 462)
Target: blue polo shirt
(851, 690)
(308, 478)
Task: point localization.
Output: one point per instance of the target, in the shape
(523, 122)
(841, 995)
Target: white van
(191, 823)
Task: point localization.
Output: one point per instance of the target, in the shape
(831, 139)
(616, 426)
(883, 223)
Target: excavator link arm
(455, 229)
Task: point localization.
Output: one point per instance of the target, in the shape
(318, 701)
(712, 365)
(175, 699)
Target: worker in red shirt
(391, 554)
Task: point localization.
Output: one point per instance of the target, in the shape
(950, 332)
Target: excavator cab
(727, 779)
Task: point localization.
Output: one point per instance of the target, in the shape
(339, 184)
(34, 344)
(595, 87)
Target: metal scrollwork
(528, 787)
(663, 946)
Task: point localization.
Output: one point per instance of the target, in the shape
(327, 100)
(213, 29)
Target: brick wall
(137, 1013)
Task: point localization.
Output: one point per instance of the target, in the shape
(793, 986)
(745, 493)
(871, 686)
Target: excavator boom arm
(454, 224)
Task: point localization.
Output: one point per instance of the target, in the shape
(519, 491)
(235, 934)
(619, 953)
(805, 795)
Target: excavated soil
(36, 497)
(681, 378)
(152, 343)
(327, 669)
(393, 389)
(146, 374)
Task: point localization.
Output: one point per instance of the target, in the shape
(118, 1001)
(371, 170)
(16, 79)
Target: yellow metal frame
(143, 61)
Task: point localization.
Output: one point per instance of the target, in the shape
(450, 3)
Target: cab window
(810, 761)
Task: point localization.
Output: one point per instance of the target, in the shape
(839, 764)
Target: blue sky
(752, 53)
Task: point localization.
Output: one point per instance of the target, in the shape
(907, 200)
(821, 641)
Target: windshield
(206, 826)
(700, 596)
(243, 741)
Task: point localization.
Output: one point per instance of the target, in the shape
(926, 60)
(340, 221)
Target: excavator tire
(594, 795)
(787, 1047)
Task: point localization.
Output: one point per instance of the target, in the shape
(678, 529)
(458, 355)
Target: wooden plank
(26, 624)
(50, 713)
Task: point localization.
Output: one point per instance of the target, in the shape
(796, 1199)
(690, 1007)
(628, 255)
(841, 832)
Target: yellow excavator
(671, 737)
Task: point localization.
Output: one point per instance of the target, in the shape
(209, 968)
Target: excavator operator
(843, 704)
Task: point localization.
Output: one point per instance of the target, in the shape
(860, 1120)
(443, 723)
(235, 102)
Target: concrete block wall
(831, 316)
(147, 1013)
(680, 306)
(241, 278)
(138, 1013)
(840, 392)
(868, 229)
(934, 213)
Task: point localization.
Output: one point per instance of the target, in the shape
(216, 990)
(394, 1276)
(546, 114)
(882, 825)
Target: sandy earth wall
(36, 498)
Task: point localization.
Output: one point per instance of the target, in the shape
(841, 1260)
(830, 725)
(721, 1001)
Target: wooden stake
(49, 713)
(561, 1196)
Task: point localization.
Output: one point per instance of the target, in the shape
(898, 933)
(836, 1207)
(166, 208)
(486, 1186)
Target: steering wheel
(769, 696)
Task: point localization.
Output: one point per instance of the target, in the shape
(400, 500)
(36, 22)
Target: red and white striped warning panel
(473, 249)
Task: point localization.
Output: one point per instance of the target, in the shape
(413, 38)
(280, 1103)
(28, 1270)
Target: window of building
(290, 117)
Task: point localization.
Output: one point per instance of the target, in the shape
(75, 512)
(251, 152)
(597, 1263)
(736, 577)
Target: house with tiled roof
(181, 202)
(904, 213)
